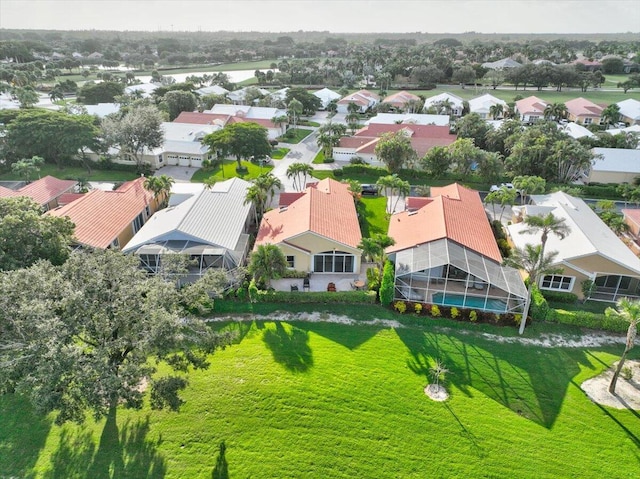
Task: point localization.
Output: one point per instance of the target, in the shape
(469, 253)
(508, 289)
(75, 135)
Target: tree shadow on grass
(346, 335)
(221, 469)
(22, 435)
(530, 381)
(289, 346)
(239, 329)
(121, 453)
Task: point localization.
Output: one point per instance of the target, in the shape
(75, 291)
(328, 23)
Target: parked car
(371, 190)
(508, 186)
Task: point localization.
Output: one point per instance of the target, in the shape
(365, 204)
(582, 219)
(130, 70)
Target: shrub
(435, 311)
(560, 297)
(473, 316)
(373, 279)
(338, 172)
(504, 247)
(417, 308)
(253, 291)
(586, 319)
(386, 285)
(627, 373)
(329, 160)
(352, 297)
(357, 160)
(273, 142)
(454, 312)
(400, 306)
(293, 273)
(539, 307)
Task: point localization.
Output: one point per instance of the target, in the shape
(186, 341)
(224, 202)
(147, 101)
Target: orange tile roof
(198, 118)
(401, 98)
(632, 214)
(41, 191)
(100, 216)
(531, 104)
(326, 209)
(583, 107)
(456, 213)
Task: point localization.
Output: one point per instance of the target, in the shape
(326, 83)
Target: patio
(320, 281)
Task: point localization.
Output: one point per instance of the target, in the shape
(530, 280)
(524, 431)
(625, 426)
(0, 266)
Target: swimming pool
(475, 302)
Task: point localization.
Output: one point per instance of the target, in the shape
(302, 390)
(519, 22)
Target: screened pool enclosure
(445, 273)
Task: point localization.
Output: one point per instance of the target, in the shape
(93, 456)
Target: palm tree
(210, 182)
(611, 114)
(629, 311)
(531, 260)
(258, 198)
(546, 225)
(268, 183)
(160, 186)
(299, 172)
(393, 185)
(496, 110)
(294, 110)
(267, 262)
(374, 249)
(279, 120)
(555, 111)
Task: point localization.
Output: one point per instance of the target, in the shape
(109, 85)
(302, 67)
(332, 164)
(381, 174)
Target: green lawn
(279, 153)
(228, 170)
(315, 400)
(319, 158)
(73, 173)
(374, 210)
(299, 134)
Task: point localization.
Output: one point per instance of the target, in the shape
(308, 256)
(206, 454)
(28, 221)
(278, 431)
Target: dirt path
(588, 340)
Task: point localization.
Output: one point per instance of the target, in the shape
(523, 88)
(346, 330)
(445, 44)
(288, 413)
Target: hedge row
(560, 297)
(457, 314)
(353, 297)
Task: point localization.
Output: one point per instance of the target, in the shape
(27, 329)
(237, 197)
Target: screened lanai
(445, 273)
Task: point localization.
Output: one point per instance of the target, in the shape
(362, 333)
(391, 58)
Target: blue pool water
(474, 302)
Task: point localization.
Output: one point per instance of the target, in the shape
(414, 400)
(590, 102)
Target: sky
(432, 16)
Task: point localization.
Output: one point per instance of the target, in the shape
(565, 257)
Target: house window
(147, 210)
(557, 283)
(115, 243)
(333, 262)
(588, 121)
(138, 222)
(291, 261)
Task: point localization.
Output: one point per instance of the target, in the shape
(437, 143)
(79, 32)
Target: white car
(508, 186)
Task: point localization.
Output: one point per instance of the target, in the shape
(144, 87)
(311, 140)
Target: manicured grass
(299, 134)
(310, 400)
(279, 153)
(228, 170)
(319, 159)
(73, 173)
(374, 212)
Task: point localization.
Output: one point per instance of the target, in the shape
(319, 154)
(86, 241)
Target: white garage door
(172, 160)
(184, 160)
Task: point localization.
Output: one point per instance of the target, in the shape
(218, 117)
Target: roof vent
(283, 209)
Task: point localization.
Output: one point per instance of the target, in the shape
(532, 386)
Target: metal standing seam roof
(216, 217)
(630, 108)
(588, 236)
(616, 160)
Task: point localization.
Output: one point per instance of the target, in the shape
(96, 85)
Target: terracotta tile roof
(66, 198)
(415, 131)
(43, 190)
(287, 198)
(100, 216)
(531, 105)
(583, 107)
(455, 213)
(197, 118)
(327, 209)
(355, 141)
(361, 97)
(632, 214)
(416, 202)
(401, 98)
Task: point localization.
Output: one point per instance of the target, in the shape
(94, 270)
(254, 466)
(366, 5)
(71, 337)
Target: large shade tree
(26, 235)
(242, 140)
(395, 151)
(79, 338)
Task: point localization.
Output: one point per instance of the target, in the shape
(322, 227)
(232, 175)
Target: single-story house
(318, 232)
(583, 111)
(531, 109)
(455, 104)
(365, 100)
(326, 96)
(408, 119)
(238, 96)
(575, 130)
(445, 254)
(102, 109)
(253, 114)
(212, 90)
(363, 143)
(109, 219)
(614, 165)
(630, 111)
(482, 106)
(401, 100)
(145, 90)
(46, 191)
(590, 250)
(503, 64)
(211, 226)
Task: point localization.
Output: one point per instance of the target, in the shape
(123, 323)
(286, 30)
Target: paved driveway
(181, 174)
